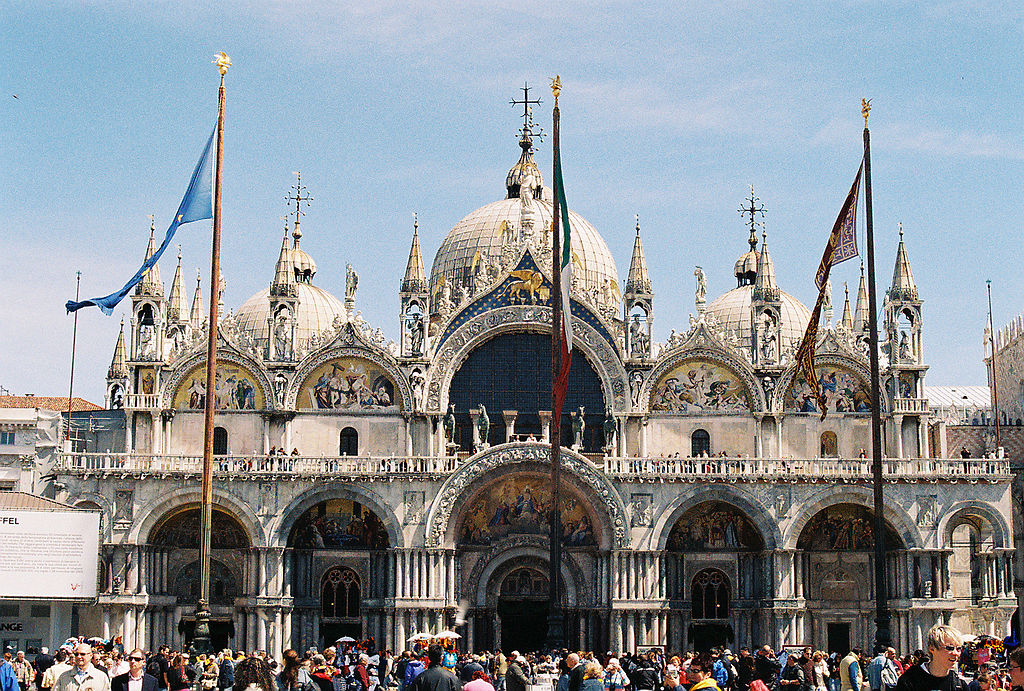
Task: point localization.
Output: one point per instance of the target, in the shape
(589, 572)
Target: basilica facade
(372, 488)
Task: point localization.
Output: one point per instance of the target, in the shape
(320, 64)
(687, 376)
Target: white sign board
(49, 554)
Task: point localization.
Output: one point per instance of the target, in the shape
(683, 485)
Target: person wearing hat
(515, 678)
(614, 678)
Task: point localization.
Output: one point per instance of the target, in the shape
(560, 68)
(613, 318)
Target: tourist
(819, 672)
(59, 666)
(672, 670)
(158, 666)
(850, 674)
(253, 674)
(744, 669)
(939, 673)
(226, 674)
(83, 676)
(593, 677)
(42, 663)
(135, 679)
(699, 673)
(517, 679)
(792, 676)
(766, 668)
(614, 678)
(1015, 665)
(435, 677)
(23, 672)
(576, 671)
(293, 677)
(478, 682)
(471, 668)
(179, 674)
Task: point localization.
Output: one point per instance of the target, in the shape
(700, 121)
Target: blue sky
(669, 110)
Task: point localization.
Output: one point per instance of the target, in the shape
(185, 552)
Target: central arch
(609, 511)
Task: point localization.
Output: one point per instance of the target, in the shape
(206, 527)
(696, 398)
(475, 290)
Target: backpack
(889, 677)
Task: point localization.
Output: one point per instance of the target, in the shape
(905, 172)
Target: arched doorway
(513, 372)
(350, 541)
(523, 609)
(176, 537)
(716, 574)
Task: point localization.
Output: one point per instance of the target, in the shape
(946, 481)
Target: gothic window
(146, 315)
(340, 594)
(220, 441)
(829, 445)
(349, 445)
(710, 595)
(700, 443)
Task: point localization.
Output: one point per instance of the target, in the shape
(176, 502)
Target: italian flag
(562, 383)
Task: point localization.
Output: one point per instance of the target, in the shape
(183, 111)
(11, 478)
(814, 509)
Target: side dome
(316, 311)
(732, 310)
(484, 234)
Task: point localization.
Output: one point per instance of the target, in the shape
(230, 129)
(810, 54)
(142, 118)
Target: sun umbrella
(346, 639)
(448, 634)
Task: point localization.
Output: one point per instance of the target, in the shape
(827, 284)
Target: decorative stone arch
(380, 358)
(515, 552)
(789, 375)
(900, 521)
(518, 319)
(737, 366)
(281, 527)
(153, 513)
(186, 365)
(751, 507)
(440, 529)
(955, 515)
(106, 507)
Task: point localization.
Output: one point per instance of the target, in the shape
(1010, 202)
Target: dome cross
(530, 128)
(298, 198)
(752, 210)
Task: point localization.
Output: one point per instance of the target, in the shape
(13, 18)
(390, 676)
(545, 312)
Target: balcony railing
(376, 466)
(643, 469)
(910, 405)
(143, 400)
(829, 469)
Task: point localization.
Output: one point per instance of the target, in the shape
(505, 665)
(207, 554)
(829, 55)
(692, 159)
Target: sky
(669, 110)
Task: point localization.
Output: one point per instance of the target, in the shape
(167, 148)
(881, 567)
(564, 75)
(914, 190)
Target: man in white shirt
(53, 672)
(83, 676)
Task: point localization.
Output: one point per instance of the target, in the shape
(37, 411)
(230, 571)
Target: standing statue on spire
(702, 285)
(351, 283)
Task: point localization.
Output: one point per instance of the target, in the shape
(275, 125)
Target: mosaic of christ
(521, 505)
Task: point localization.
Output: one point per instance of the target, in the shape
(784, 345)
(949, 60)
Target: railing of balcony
(298, 465)
(816, 468)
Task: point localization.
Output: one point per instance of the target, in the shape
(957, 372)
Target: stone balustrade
(242, 465)
(817, 469)
(641, 469)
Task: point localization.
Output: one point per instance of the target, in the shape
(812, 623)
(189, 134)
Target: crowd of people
(945, 666)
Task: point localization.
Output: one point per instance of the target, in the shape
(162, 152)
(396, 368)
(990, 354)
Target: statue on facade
(483, 424)
(578, 427)
(609, 432)
(905, 352)
(417, 382)
(280, 384)
(637, 337)
(281, 335)
(416, 334)
(449, 425)
(702, 285)
(351, 283)
(636, 382)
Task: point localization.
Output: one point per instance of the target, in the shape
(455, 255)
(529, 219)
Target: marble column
(510, 423)
(545, 425)
(261, 629)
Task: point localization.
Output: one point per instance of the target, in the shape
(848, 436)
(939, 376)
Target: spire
(176, 307)
(765, 287)
(903, 286)
(638, 281)
(525, 171)
(119, 365)
(847, 320)
(415, 280)
(862, 313)
(151, 284)
(198, 316)
(284, 275)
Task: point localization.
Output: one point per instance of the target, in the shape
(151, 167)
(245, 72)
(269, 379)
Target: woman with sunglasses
(938, 673)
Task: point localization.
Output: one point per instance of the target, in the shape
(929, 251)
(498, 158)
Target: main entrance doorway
(705, 636)
(523, 610)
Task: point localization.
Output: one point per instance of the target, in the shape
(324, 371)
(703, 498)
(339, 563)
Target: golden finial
(222, 61)
(556, 88)
(865, 108)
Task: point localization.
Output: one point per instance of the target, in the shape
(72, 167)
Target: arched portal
(512, 371)
(175, 539)
(338, 524)
(523, 608)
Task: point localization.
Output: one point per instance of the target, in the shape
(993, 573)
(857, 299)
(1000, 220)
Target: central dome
(483, 233)
(316, 311)
(733, 313)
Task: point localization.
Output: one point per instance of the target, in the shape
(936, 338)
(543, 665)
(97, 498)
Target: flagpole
(995, 390)
(556, 633)
(882, 616)
(74, 339)
(201, 636)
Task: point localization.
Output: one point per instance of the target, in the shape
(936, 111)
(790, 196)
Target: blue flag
(196, 205)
